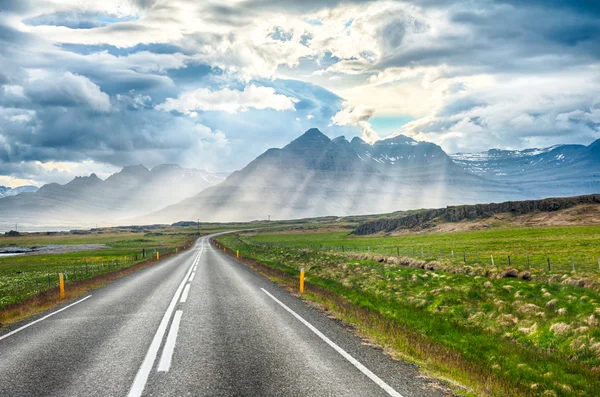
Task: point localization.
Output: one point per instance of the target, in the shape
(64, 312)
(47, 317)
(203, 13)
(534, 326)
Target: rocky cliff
(471, 212)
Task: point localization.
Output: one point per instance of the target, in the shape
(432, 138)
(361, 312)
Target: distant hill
(316, 176)
(133, 191)
(9, 191)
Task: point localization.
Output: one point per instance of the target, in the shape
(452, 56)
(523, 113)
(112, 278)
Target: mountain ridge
(314, 175)
(134, 190)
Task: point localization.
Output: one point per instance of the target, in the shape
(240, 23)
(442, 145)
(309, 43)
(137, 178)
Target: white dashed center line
(186, 291)
(165, 360)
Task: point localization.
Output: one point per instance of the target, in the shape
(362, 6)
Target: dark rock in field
(471, 212)
(525, 275)
(510, 273)
(80, 232)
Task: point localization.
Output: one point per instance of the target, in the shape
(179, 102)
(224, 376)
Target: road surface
(198, 324)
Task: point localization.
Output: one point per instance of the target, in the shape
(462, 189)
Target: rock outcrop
(471, 212)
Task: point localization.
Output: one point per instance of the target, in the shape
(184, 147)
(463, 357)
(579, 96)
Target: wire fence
(565, 262)
(24, 284)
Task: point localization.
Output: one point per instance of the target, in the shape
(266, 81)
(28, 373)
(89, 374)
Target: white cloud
(488, 112)
(357, 115)
(230, 101)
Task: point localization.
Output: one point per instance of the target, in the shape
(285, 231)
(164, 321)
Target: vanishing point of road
(197, 324)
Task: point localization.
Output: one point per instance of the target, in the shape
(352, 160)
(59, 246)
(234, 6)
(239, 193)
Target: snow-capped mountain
(6, 191)
(556, 170)
(400, 152)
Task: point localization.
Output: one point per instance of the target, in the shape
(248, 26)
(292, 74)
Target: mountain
(314, 176)
(563, 170)
(133, 191)
(400, 152)
(9, 191)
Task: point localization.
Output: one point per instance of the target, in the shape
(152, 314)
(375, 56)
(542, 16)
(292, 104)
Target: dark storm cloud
(76, 134)
(506, 38)
(585, 7)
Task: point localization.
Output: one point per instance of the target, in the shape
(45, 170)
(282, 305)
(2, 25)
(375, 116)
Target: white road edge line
(192, 276)
(139, 383)
(165, 360)
(344, 354)
(186, 291)
(43, 318)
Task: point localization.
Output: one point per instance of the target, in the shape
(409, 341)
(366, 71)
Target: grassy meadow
(23, 276)
(564, 246)
(535, 334)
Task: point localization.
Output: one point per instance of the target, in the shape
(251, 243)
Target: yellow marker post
(157, 255)
(176, 250)
(302, 280)
(237, 254)
(61, 283)
(224, 249)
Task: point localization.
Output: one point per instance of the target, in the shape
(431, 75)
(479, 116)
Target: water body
(2, 255)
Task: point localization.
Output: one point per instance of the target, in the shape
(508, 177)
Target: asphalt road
(198, 324)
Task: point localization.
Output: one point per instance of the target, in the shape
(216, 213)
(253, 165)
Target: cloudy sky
(91, 86)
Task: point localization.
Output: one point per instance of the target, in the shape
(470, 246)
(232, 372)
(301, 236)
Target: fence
(548, 261)
(24, 284)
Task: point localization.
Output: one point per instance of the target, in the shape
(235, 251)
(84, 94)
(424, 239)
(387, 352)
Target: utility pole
(198, 225)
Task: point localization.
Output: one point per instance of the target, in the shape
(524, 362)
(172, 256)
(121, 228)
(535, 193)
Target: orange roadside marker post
(61, 283)
(302, 280)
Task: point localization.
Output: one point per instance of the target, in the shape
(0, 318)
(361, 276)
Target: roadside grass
(564, 246)
(496, 336)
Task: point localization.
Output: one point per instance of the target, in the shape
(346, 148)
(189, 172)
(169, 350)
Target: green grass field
(564, 246)
(513, 337)
(26, 275)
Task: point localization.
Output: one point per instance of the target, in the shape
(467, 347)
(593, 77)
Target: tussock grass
(498, 336)
(559, 244)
